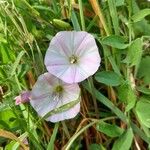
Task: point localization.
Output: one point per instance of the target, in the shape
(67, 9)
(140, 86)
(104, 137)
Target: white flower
(51, 94)
(72, 56)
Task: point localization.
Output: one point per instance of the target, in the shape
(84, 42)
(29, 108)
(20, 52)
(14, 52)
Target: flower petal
(66, 39)
(58, 70)
(68, 114)
(73, 74)
(71, 93)
(42, 87)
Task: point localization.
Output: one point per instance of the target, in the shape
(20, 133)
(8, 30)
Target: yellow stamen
(73, 59)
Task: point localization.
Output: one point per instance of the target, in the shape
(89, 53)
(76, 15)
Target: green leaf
(109, 78)
(143, 71)
(134, 53)
(8, 117)
(127, 95)
(144, 90)
(115, 41)
(140, 15)
(109, 129)
(143, 111)
(142, 27)
(96, 147)
(124, 141)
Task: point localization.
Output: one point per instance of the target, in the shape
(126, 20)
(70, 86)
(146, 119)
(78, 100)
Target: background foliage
(115, 107)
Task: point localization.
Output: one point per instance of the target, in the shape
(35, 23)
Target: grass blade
(100, 97)
(51, 143)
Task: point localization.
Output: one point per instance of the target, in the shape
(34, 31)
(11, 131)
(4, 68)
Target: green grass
(122, 32)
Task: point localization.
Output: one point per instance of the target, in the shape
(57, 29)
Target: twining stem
(73, 138)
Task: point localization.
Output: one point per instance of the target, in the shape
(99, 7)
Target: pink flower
(50, 94)
(72, 56)
(23, 97)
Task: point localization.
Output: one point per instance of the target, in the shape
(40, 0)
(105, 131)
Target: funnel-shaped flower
(72, 56)
(50, 94)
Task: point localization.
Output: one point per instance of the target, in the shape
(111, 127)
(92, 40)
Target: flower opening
(58, 89)
(73, 59)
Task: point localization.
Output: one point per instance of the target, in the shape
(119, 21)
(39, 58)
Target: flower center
(58, 89)
(73, 59)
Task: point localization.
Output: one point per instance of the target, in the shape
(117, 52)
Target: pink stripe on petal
(79, 43)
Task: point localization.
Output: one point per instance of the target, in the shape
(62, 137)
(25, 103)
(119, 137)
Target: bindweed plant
(74, 74)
